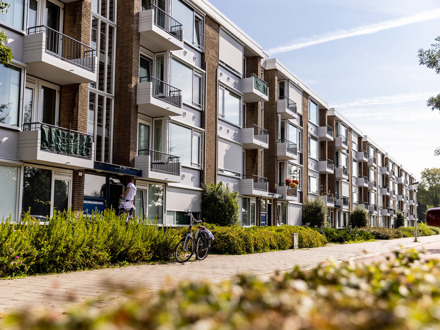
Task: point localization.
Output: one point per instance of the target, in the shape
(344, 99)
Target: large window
(341, 130)
(313, 185)
(191, 22)
(230, 106)
(313, 148)
(313, 113)
(282, 213)
(14, 15)
(188, 81)
(185, 143)
(149, 202)
(8, 193)
(355, 169)
(9, 94)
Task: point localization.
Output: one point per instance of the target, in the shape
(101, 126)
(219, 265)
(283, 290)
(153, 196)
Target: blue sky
(361, 57)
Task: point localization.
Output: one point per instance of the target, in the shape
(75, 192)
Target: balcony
(384, 212)
(254, 186)
(385, 191)
(328, 199)
(254, 89)
(372, 185)
(363, 206)
(326, 166)
(384, 170)
(341, 173)
(411, 217)
(325, 133)
(286, 108)
(372, 162)
(47, 144)
(361, 156)
(158, 31)
(341, 143)
(411, 202)
(400, 180)
(158, 166)
(254, 138)
(372, 208)
(342, 202)
(58, 58)
(362, 182)
(412, 187)
(400, 198)
(291, 194)
(156, 98)
(287, 150)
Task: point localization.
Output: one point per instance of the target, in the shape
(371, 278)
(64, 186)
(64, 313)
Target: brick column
(271, 124)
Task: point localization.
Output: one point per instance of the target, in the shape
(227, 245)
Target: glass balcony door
(41, 102)
(52, 19)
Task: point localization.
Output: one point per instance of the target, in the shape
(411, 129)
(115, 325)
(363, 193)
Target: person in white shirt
(129, 194)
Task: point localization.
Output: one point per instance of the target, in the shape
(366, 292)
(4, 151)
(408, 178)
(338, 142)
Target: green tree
(428, 192)
(315, 213)
(5, 51)
(400, 220)
(219, 205)
(431, 58)
(359, 217)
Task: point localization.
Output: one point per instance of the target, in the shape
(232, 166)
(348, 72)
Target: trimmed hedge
(346, 235)
(383, 233)
(422, 230)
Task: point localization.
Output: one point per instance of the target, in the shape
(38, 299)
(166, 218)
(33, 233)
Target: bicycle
(130, 213)
(190, 245)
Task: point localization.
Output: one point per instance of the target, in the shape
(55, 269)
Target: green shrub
(219, 205)
(422, 230)
(400, 220)
(359, 217)
(384, 233)
(314, 213)
(346, 235)
(402, 293)
(436, 230)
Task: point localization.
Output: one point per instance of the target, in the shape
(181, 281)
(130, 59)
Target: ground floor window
(282, 214)
(373, 221)
(248, 208)
(8, 193)
(149, 202)
(342, 219)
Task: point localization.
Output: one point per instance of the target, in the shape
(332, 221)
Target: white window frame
(221, 105)
(37, 101)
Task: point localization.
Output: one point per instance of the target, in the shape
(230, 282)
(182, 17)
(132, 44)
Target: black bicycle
(188, 246)
(128, 214)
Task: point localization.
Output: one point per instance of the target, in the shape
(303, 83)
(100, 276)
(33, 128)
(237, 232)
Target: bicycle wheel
(185, 249)
(202, 247)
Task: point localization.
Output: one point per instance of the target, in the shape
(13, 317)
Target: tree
(359, 217)
(315, 213)
(431, 58)
(219, 205)
(400, 220)
(428, 192)
(5, 51)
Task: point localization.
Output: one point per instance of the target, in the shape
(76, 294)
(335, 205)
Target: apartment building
(176, 95)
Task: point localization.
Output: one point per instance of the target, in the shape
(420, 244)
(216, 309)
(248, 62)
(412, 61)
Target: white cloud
(387, 99)
(359, 31)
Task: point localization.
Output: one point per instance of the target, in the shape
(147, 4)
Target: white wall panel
(294, 215)
(183, 200)
(230, 156)
(295, 95)
(231, 52)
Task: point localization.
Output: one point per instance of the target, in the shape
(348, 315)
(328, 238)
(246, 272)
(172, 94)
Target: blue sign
(263, 218)
(91, 205)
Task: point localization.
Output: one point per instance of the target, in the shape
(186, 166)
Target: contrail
(359, 31)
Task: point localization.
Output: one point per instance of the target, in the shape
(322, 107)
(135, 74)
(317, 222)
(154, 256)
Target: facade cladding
(171, 92)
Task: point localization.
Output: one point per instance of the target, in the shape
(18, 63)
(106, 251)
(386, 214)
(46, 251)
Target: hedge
(403, 293)
(347, 235)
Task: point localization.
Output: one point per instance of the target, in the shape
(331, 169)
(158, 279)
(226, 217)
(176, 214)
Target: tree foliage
(219, 205)
(5, 51)
(400, 220)
(315, 213)
(431, 58)
(359, 217)
(428, 192)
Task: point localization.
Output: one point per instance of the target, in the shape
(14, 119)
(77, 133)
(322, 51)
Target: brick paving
(59, 291)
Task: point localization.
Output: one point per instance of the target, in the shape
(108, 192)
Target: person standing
(129, 194)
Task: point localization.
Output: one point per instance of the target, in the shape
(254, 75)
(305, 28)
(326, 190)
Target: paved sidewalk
(58, 291)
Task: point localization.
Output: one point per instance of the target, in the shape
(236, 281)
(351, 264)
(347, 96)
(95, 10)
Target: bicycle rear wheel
(202, 247)
(185, 249)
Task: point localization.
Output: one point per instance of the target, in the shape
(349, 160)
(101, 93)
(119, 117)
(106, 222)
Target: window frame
(20, 99)
(194, 135)
(196, 74)
(221, 105)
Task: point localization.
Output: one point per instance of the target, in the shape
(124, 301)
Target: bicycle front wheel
(202, 248)
(185, 249)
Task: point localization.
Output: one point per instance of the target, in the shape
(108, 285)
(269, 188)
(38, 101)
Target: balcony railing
(62, 140)
(292, 147)
(330, 164)
(330, 130)
(260, 85)
(260, 183)
(344, 140)
(162, 162)
(66, 48)
(165, 22)
(165, 92)
(291, 105)
(261, 134)
(330, 198)
(344, 170)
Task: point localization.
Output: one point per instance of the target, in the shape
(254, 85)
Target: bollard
(295, 240)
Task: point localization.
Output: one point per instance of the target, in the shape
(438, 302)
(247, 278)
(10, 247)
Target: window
(293, 134)
(186, 144)
(313, 185)
(149, 202)
(188, 81)
(294, 172)
(313, 148)
(313, 113)
(355, 169)
(354, 144)
(192, 23)
(14, 16)
(230, 106)
(372, 174)
(371, 151)
(143, 139)
(9, 94)
(379, 160)
(342, 159)
(8, 193)
(145, 65)
(41, 102)
(372, 198)
(282, 213)
(354, 195)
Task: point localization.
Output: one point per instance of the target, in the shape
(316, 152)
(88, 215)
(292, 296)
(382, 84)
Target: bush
(400, 220)
(239, 240)
(384, 233)
(359, 217)
(422, 230)
(396, 294)
(68, 243)
(346, 235)
(436, 230)
(315, 213)
(219, 205)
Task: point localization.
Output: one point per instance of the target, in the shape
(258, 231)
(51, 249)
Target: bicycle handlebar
(192, 219)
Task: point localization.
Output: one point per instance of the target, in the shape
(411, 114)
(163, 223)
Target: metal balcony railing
(261, 134)
(162, 162)
(165, 92)
(260, 85)
(344, 140)
(260, 183)
(330, 130)
(330, 164)
(291, 105)
(292, 147)
(62, 141)
(344, 170)
(165, 21)
(66, 48)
